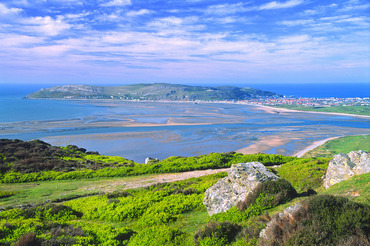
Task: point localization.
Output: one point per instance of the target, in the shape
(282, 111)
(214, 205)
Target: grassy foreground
(356, 110)
(340, 145)
(102, 211)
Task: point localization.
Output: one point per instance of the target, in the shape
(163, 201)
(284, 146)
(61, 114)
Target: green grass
(341, 145)
(28, 193)
(358, 110)
(356, 189)
(304, 174)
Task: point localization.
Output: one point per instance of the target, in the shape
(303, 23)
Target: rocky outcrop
(343, 166)
(242, 179)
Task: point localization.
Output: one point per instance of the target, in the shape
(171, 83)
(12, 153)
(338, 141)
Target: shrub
(159, 235)
(215, 233)
(277, 192)
(322, 220)
(28, 239)
(5, 194)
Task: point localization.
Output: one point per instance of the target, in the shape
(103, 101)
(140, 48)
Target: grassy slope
(358, 110)
(340, 145)
(301, 173)
(356, 188)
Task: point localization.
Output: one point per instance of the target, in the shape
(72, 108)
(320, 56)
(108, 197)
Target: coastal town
(311, 102)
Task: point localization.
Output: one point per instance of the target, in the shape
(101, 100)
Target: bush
(215, 233)
(322, 220)
(159, 235)
(28, 239)
(277, 192)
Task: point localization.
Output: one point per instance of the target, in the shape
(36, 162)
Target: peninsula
(157, 91)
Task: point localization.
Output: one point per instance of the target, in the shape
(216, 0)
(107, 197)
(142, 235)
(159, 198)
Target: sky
(184, 41)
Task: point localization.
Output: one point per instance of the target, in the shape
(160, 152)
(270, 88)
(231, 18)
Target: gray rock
(242, 179)
(150, 159)
(343, 167)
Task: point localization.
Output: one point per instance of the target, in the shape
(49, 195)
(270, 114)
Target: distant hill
(158, 91)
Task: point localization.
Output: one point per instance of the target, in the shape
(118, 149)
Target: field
(358, 110)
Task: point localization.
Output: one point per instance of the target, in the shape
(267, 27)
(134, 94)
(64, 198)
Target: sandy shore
(272, 110)
(265, 143)
(313, 146)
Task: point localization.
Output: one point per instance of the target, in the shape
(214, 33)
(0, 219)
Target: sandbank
(265, 143)
(270, 109)
(313, 146)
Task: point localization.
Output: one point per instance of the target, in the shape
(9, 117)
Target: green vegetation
(341, 145)
(304, 174)
(84, 207)
(158, 91)
(359, 110)
(38, 161)
(322, 220)
(356, 189)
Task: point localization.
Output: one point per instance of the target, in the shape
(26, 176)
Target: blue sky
(188, 41)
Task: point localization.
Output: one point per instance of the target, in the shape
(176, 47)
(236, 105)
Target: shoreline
(269, 109)
(313, 146)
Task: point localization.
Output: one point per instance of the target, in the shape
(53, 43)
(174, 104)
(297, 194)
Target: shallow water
(136, 130)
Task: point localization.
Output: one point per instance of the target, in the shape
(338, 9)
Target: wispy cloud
(4, 10)
(47, 25)
(280, 5)
(138, 12)
(116, 3)
(146, 40)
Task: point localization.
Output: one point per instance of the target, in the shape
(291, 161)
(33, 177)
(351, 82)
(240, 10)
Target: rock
(343, 167)
(242, 179)
(150, 159)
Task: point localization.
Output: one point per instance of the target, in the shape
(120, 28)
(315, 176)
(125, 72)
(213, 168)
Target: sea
(136, 130)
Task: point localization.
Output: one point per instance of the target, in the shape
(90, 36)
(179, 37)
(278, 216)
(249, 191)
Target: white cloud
(138, 13)
(225, 9)
(294, 39)
(6, 11)
(117, 3)
(47, 25)
(279, 5)
(297, 22)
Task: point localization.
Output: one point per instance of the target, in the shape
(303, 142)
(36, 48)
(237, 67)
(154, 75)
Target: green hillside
(159, 91)
(83, 200)
(341, 145)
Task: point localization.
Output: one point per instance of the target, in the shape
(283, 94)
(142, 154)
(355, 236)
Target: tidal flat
(136, 130)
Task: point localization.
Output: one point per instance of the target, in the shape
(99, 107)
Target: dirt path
(139, 181)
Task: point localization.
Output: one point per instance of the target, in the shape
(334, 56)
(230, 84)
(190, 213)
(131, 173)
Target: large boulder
(343, 166)
(242, 179)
